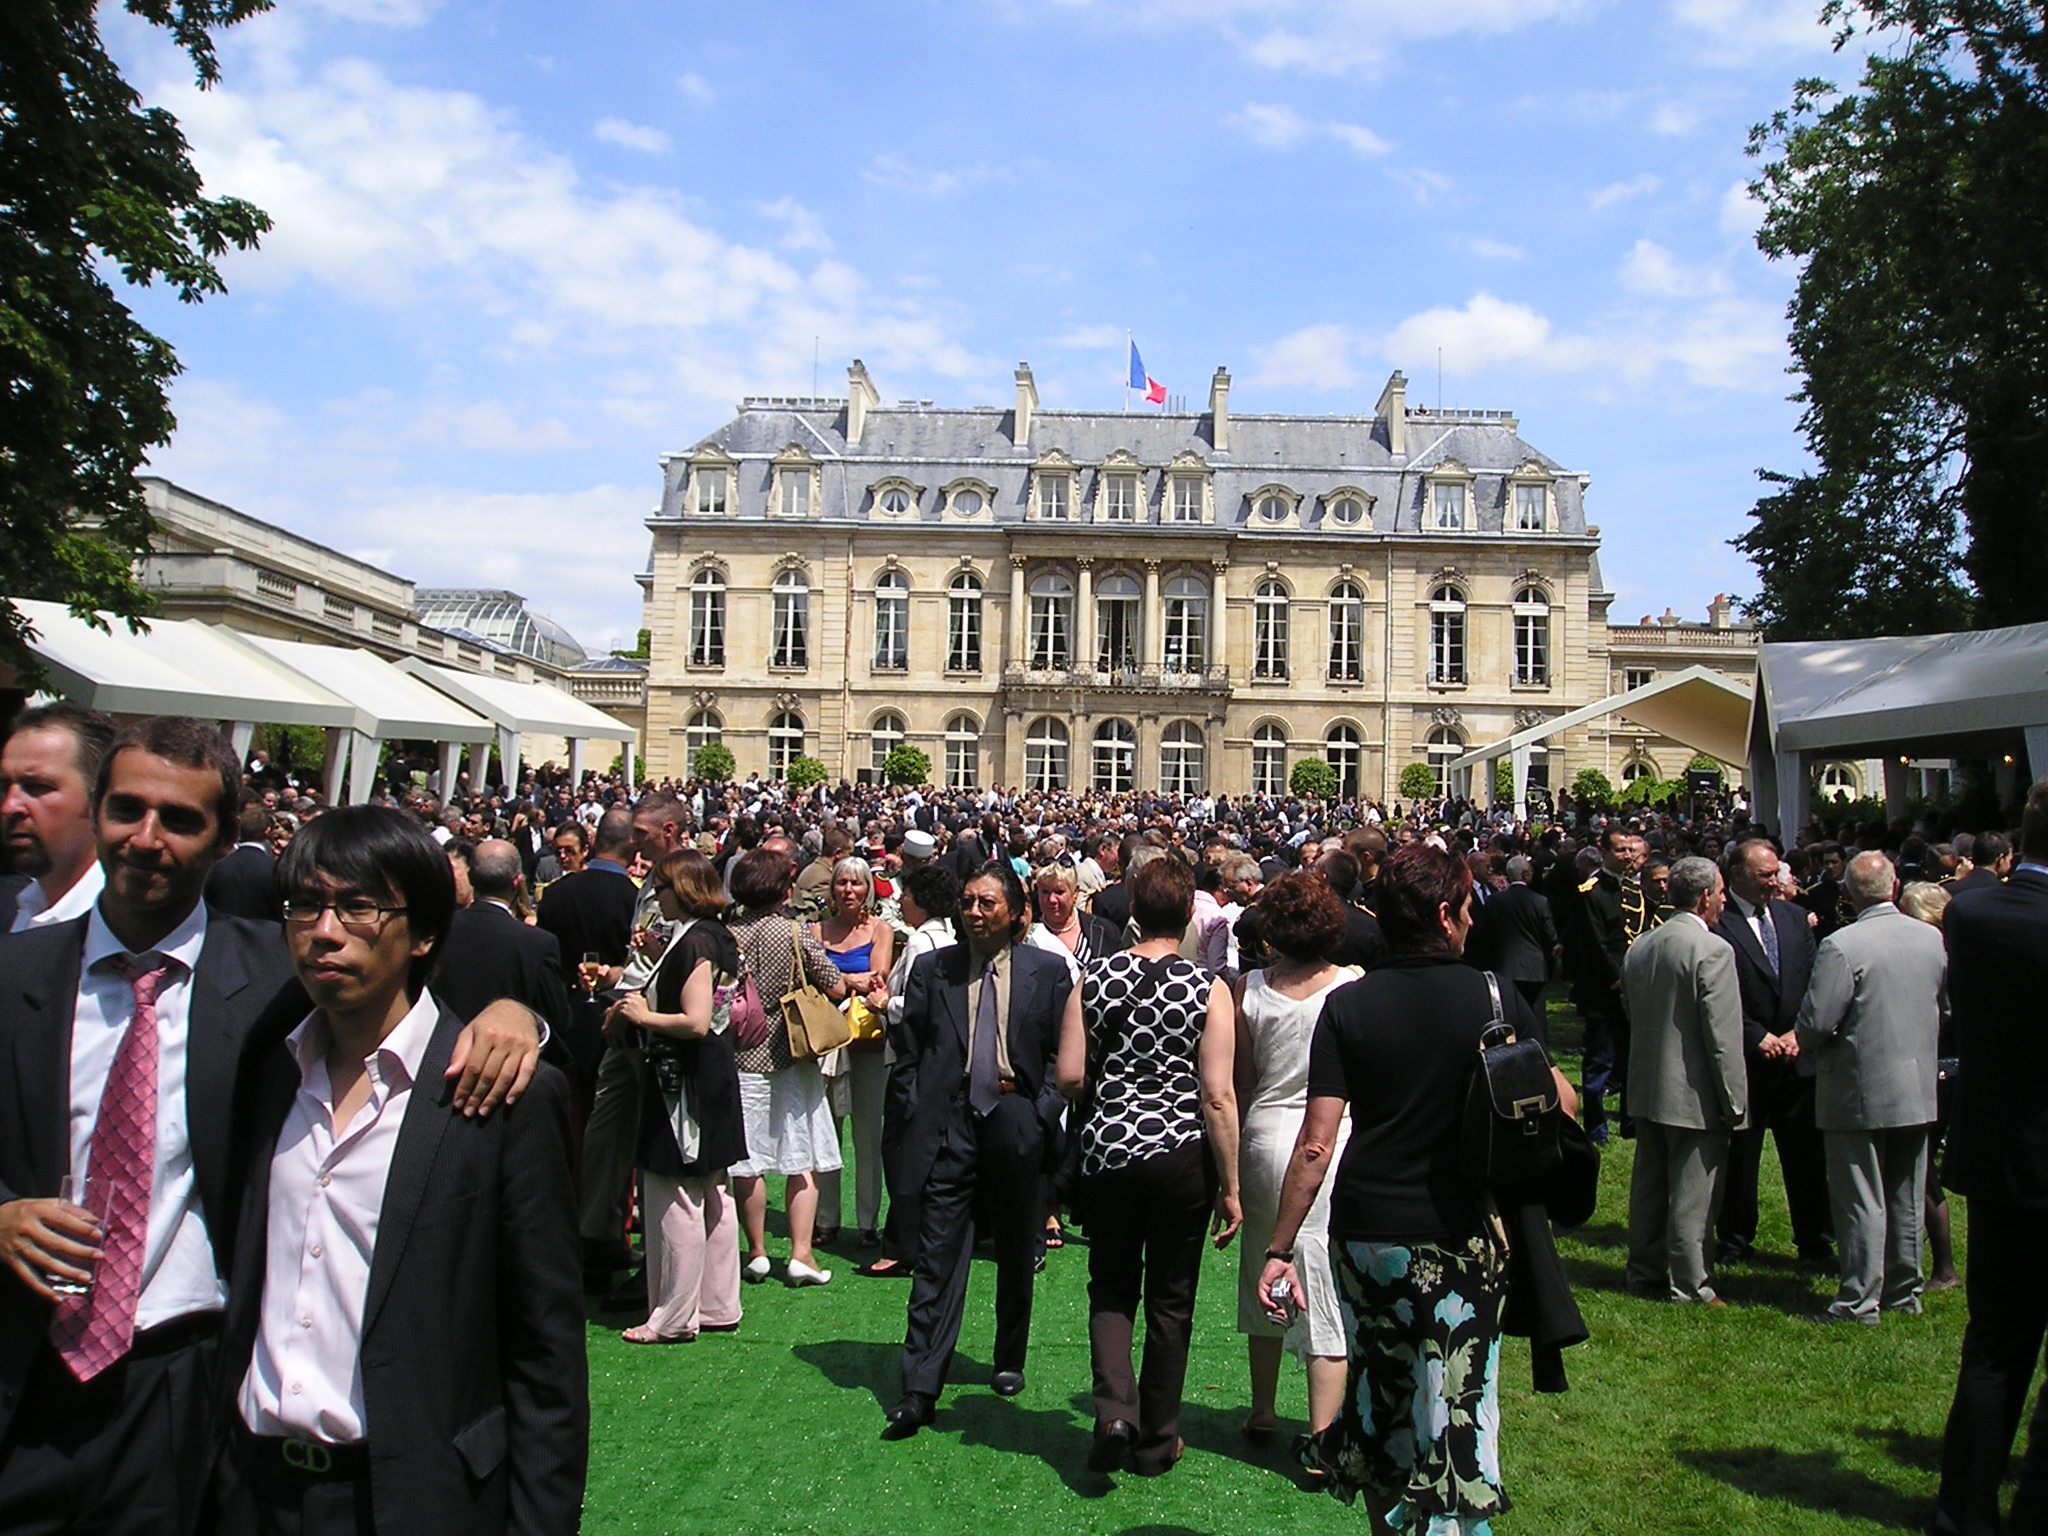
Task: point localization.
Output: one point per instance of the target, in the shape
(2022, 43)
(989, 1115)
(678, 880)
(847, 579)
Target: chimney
(1670, 617)
(1720, 612)
(1219, 411)
(1027, 402)
(1393, 410)
(860, 399)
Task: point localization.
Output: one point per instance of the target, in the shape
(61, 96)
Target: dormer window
(1273, 509)
(895, 501)
(1531, 501)
(1055, 491)
(710, 486)
(796, 477)
(1187, 498)
(1447, 499)
(1120, 497)
(1447, 508)
(967, 499)
(709, 492)
(1347, 511)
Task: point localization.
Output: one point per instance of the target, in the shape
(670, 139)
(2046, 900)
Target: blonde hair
(1925, 900)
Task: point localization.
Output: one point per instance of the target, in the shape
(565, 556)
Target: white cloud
(616, 130)
(1361, 141)
(1677, 119)
(804, 231)
(1275, 127)
(1423, 184)
(899, 175)
(379, 13)
(1741, 214)
(1650, 268)
(1744, 31)
(1486, 332)
(696, 89)
(1493, 250)
(1623, 191)
(1090, 338)
(1316, 357)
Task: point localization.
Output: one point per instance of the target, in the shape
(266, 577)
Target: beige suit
(1688, 1090)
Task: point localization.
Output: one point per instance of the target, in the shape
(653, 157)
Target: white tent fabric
(522, 709)
(1917, 695)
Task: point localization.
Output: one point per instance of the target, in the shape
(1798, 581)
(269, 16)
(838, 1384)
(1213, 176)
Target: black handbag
(1511, 1131)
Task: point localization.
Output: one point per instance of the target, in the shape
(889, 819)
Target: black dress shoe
(1731, 1253)
(1006, 1383)
(1819, 1257)
(907, 1417)
(1111, 1447)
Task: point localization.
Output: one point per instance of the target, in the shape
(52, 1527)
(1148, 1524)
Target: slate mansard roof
(1311, 457)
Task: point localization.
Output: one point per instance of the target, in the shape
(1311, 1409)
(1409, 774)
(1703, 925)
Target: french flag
(1153, 390)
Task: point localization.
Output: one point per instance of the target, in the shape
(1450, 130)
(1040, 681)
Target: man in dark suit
(1603, 949)
(244, 883)
(489, 953)
(591, 912)
(445, 1388)
(1520, 936)
(973, 1080)
(107, 1419)
(1998, 1157)
(1774, 949)
(1990, 860)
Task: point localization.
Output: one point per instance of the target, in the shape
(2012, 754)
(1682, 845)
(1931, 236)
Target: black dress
(703, 1073)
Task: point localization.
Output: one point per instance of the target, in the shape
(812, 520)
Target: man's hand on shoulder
(494, 1057)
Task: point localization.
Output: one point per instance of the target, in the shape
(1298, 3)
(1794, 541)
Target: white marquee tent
(520, 709)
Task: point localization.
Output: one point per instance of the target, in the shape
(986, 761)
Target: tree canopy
(92, 181)
(1314, 776)
(1917, 206)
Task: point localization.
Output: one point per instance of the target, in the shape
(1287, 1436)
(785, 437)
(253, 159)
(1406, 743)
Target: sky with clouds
(522, 249)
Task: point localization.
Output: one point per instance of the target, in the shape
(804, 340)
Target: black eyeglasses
(358, 914)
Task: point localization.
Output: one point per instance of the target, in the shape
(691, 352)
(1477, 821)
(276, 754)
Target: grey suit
(1871, 1020)
(1687, 1090)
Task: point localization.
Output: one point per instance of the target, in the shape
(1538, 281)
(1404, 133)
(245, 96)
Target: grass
(1678, 1419)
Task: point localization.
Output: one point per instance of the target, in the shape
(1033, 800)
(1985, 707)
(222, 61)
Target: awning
(391, 704)
(1699, 708)
(536, 709)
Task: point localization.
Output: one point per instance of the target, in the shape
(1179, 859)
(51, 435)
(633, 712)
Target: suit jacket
(10, 899)
(1112, 903)
(1998, 974)
(475, 1386)
(591, 910)
(243, 971)
(490, 954)
(1871, 1022)
(1770, 999)
(927, 1081)
(244, 884)
(1518, 935)
(1103, 936)
(1685, 1006)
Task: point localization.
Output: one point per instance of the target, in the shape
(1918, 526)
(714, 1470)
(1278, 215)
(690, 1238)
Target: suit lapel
(1738, 931)
(953, 996)
(42, 1062)
(213, 1044)
(427, 1118)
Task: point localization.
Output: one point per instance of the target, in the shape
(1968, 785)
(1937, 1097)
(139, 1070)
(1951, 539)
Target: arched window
(703, 728)
(707, 619)
(1116, 624)
(785, 742)
(963, 752)
(1273, 509)
(1532, 638)
(895, 501)
(1116, 757)
(1052, 623)
(1346, 511)
(1838, 781)
(1187, 625)
(884, 737)
(1446, 743)
(892, 622)
(1269, 630)
(1181, 754)
(1269, 760)
(1347, 633)
(1343, 751)
(1446, 635)
(790, 645)
(1045, 755)
(963, 623)
(1637, 768)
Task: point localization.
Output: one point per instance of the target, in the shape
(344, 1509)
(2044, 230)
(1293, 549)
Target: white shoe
(803, 1274)
(756, 1269)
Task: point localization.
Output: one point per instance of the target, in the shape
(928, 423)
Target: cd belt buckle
(308, 1456)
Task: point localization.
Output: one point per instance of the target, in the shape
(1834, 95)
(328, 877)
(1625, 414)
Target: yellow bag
(863, 1021)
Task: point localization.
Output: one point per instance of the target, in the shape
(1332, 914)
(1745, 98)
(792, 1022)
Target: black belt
(176, 1334)
(312, 1460)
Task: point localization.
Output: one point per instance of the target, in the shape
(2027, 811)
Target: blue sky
(523, 249)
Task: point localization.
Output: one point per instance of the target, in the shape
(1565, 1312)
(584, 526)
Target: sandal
(646, 1335)
(1258, 1430)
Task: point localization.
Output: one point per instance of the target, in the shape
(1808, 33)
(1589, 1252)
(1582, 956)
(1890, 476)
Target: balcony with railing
(1154, 681)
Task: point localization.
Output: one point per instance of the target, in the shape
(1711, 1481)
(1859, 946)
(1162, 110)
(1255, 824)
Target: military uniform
(1603, 940)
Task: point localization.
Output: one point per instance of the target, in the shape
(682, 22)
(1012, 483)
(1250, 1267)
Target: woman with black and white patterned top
(1158, 1163)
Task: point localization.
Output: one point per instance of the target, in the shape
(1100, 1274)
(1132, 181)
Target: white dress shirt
(326, 1196)
(178, 1272)
(34, 909)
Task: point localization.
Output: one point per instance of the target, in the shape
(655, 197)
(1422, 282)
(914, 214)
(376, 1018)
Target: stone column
(1084, 621)
(1218, 654)
(1019, 638)
(1152, 653)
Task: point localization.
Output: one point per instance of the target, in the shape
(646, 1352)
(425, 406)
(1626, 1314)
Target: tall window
(785, 743)
(1532, 638)
(1532, 504)
(963, 623)
(1633, 678)
(707, 619)
(1052, 623)
(892, 622)
(710, 492)
(1116, 757)
(1444, 746)
(703, 729)
(1053, 494)
(1269, 760)
(1447, 506)
(795, 491)
(1347, 633)
(1045, 755)
(1187, 498)
(1269, 630)
(1187, 625)
(1343, 752)
(1446, 635)
(1180, 759)
(1120, 498)
(963, 751)
(791, 643)
(1116, 624)
(884, 737)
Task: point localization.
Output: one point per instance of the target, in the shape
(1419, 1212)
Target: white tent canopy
(1699, 708)
(1894, 696)
(521, 709)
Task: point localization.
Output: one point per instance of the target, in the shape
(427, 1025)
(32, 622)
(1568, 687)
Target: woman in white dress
(1301, 920)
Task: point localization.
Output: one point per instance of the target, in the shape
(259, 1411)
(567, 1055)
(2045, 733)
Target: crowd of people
(1173, 1022)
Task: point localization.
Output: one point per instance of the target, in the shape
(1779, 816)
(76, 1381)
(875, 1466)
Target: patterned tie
(93, 1331)
(1769, 929)
(984, 1079)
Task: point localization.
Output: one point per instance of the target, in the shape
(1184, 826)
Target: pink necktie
(92, 1331)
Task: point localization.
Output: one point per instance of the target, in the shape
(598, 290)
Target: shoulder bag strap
(796, 954)
(1499, 1021)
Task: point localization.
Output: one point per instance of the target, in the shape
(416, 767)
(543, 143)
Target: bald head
(494, 870)
(1870, 879)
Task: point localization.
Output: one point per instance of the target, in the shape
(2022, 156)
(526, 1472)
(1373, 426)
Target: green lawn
(1678, 1420)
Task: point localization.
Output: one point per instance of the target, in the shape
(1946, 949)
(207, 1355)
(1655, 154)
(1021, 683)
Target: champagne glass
(74, 1189)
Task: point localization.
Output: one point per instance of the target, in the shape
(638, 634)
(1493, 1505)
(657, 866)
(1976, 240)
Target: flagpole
(1129, 345)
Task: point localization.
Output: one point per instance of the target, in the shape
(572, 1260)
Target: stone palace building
(1085, 599)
